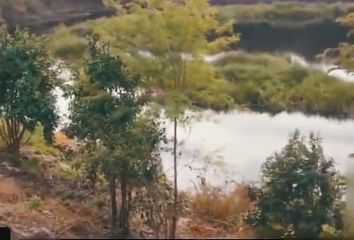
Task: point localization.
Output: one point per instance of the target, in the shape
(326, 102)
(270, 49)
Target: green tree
(135, 161)
(106, 112)
(344, 57)
(299, 193)
(166, 42)
(27, 81)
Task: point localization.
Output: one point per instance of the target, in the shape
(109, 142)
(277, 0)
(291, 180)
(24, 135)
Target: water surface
(239, 142)
(243, 140)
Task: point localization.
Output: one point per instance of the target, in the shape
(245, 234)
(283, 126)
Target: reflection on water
(239, 142)
(245, 140)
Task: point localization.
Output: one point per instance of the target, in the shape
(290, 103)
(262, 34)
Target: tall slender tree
(166, 41)
(104, 108)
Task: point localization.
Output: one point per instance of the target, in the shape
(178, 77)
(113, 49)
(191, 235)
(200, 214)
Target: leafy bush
(300, 192)
(36, 203)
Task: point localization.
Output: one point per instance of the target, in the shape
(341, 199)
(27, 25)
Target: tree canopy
(27, 81)
(107, 113)
(166, 42)
(299, 192)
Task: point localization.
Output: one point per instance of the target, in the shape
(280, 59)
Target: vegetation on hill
(284, 14)
(256, 84)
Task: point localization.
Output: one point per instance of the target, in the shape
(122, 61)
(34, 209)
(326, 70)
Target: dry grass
(218, 213)
(216, 206)
(23, 207)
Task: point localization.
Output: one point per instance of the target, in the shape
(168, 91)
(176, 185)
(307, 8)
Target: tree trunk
(124, 209)
(12, 132)
(112, 189)
(14, 148)
(175, 199)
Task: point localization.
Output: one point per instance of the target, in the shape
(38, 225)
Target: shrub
(300, 192)
(36, 203)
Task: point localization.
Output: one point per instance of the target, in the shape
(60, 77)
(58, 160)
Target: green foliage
(300, 192)
(36, 203)
(291, 14)
(69, 44)
(37, 141)
(175, 36)
(27, 81)
(70, 174)
(136, 155)
(258, 85)
(106, 99)
(122, 139)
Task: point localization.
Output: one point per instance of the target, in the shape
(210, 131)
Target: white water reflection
(331, 70)
(62, 104)
(245, 140)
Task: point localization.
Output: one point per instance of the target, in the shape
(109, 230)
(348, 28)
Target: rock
(41, 233)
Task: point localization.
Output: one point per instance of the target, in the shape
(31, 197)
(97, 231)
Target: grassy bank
(284, 14)
(266, 83)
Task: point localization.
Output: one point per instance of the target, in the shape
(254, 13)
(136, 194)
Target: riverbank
(287, 14)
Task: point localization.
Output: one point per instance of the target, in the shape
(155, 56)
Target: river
(239, 142)
(243, 140)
